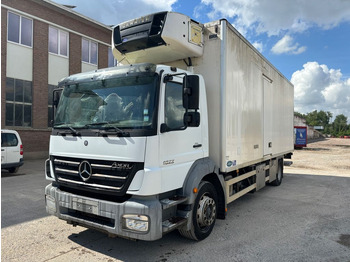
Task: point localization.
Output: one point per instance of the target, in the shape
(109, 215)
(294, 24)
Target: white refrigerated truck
(194, 119)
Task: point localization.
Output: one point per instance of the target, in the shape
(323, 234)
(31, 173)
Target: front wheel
(204, 212)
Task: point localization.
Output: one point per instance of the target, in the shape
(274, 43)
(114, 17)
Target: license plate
(84, 205)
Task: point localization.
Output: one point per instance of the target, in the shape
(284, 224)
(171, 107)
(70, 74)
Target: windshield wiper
(102, 123)
(71, 131)
(117, 131)
(109, 126)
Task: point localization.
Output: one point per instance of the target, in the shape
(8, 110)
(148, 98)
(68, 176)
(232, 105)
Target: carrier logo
(85, 170)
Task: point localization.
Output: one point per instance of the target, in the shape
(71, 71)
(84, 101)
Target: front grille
(98, 176)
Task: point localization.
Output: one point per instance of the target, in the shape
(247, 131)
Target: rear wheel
(204, 212)
(279, 175)
(13, 169)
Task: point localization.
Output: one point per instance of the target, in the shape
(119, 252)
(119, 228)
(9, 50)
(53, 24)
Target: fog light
(50, 204)
(136, 223)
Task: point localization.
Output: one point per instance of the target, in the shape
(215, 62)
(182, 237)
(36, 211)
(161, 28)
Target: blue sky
(307, 40)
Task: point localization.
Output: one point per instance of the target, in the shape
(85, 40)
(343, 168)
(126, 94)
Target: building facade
(41, 43)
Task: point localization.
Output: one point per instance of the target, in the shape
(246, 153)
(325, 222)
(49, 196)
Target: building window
(50, 103)
(111, 60)
(89, 51)
(18, 102)
(58, 41)
(19, 29)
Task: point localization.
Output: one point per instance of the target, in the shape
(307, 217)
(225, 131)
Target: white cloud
(160, 4)
(316, 87)
(287, 45)
(259, 46)
(273, 17)
(197, 11)
(113, 12)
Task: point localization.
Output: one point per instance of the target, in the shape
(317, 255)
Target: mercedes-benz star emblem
(85, 170)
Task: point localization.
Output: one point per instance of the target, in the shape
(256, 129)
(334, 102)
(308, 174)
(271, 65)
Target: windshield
(127, 102)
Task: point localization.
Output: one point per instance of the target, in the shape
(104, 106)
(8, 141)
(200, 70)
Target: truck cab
(127, 136)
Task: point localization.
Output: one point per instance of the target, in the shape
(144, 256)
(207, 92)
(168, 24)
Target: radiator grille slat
(105, 177)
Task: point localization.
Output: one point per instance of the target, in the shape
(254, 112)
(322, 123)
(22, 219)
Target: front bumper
(105, 215)
(15, 164)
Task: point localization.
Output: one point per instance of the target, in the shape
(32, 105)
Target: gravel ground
(330, 156)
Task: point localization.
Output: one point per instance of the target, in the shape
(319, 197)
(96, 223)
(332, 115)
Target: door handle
(196, 145)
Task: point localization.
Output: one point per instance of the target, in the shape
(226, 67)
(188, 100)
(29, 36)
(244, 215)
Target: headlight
(137, 223)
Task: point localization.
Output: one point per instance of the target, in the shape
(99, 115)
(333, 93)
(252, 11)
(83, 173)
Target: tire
(279, 175)
(13, 169)
(204, 212)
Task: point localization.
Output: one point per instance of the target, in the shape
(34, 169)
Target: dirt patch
(330, 156)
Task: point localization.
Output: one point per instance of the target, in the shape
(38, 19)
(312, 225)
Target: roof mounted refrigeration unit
(157, 38)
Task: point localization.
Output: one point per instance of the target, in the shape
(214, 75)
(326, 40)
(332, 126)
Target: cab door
(180, 146)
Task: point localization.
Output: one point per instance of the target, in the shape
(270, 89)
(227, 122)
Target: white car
(11, 150)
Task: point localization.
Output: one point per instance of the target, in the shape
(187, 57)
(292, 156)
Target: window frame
(59, 31)
(20, 30)
(6, 137)
(171, 128)
(22, 103)
(89, 51)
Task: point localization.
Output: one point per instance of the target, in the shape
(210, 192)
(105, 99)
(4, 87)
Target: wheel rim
(206, 212)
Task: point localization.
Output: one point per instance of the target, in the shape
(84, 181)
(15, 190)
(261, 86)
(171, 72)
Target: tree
(324, 118)
(321, 118)
(299, 114)
(340, 126)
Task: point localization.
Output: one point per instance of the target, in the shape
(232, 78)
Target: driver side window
(174, 110)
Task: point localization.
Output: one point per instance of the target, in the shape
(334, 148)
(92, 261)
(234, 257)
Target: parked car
(11, 150)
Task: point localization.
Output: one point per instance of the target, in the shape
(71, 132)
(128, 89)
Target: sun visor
(157, 38)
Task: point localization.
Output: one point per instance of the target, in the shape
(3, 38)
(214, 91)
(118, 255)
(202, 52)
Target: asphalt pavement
(22, 193)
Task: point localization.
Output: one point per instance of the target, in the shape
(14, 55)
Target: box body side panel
(250, 104)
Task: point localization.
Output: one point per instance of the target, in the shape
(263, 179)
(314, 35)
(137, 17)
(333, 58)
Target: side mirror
(192, 119)
(164, 128)
(56, 96)
(190, 94)
(56, 99)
